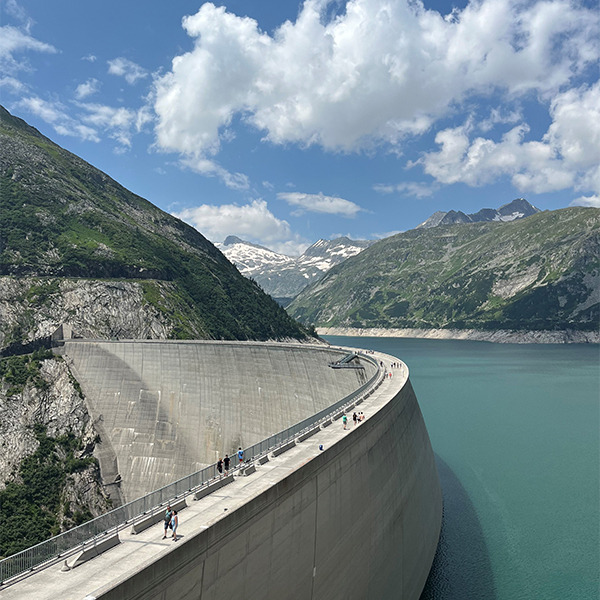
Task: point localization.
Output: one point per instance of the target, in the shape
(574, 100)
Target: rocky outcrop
(33, 308)
(55, 402)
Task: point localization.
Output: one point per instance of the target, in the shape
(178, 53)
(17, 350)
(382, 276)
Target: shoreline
(500, 336)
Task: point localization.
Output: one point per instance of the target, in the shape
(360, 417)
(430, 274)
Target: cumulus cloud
(566, 156)
(320, 203)
(90, 87)
(123, 67)
(380, 71)
(253, 222)
(15, 41)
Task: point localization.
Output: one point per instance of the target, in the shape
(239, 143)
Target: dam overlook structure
(323, 513)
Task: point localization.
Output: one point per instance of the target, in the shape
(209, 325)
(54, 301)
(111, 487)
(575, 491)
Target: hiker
(240, 454)
(167, 519)
(355, 418)
(174, 523)
(345, 421)
(220, 467)
(226, 461)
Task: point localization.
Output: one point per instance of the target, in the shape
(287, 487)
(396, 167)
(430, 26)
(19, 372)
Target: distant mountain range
(517, 209)
(282, 276)
(77, 248)
(538, 273)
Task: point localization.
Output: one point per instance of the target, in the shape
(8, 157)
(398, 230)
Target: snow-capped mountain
(517, 209)
(283, 276)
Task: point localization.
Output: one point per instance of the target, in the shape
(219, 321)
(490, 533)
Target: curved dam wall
(359, 520)
(166, 409)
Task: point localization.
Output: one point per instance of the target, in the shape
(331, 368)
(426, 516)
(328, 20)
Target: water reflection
(461, 568)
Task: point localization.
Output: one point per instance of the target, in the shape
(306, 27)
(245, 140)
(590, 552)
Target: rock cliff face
(52, 401)
(33, 307)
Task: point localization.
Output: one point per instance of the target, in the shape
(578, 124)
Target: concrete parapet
(263, 459)
(92, 549)
(216, 485)
(148, 520)
(248, 470)
(308, 434)
(326, 423)
(284, 448)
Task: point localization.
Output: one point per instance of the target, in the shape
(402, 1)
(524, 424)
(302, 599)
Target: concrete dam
(348, 513)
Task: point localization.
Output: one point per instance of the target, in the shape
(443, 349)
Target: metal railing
(69, 542)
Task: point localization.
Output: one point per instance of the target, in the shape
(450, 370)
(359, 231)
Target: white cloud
(566, 156)
(56, 115)
(90, 87)
(409, 188)
(209, 168)
(12, 84)
(381, 71)
(587, 201)
(123, 67)
(90, 120)
(90, 58)
(15, 41)
(320, 203)
(118, 123)
(253, 222)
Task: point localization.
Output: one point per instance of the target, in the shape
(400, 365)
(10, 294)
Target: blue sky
(285, 122)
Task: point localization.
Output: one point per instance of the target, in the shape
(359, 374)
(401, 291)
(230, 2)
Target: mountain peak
(517, 209)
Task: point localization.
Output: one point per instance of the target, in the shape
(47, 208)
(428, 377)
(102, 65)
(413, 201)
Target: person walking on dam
(167, 519)
(345, 421)
(240, 455)
(174, 523)
(226, 462)
(220, 467)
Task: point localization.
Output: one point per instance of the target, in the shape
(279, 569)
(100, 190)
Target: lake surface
(516, 432)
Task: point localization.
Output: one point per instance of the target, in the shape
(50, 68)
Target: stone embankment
(500, 336)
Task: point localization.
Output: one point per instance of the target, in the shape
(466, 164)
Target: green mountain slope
(538, 273)
(63, 220)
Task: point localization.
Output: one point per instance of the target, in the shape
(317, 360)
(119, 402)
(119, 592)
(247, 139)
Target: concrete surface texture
(167, 409)
(358, 520)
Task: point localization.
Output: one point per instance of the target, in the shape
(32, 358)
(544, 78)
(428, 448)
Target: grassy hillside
(62, 218)
(541, 272)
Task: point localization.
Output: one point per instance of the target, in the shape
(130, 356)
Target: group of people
(225, 463)
(356, 417)
(171, 522)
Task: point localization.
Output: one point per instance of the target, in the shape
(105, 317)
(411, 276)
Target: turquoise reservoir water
(516, 432)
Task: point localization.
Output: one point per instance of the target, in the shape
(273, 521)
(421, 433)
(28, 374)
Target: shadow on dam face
(461, 568)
